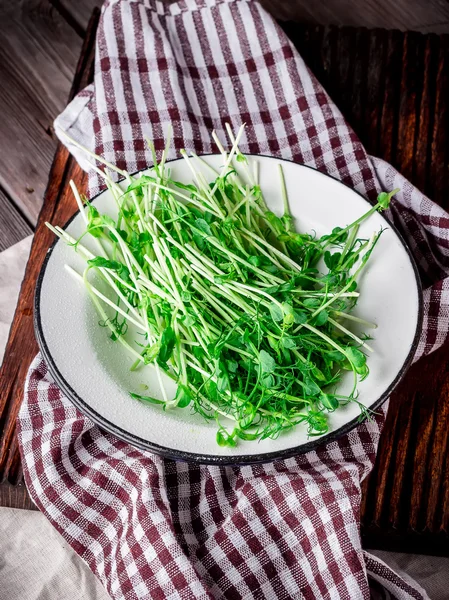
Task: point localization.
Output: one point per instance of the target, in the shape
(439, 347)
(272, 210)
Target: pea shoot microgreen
(250, 317)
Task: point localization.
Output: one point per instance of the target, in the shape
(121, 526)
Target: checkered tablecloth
(154, 528)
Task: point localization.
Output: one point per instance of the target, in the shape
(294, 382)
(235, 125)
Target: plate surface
(93, 371)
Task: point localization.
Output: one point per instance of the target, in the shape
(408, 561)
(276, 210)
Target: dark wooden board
(420, 15)
(38, 56)
(77, 13)
(13, 226)
(15, 496)
(21, 346)
(392, 88)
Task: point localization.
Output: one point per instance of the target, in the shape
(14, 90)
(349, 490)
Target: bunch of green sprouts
(228, 298)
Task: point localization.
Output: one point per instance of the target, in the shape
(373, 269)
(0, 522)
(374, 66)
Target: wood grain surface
(392, 87)
(15, 496)
(79, 12)
(38, 56)
(426, 16)
(21, 345)
(13, 226)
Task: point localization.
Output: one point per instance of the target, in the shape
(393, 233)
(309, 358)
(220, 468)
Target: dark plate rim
(211, 459)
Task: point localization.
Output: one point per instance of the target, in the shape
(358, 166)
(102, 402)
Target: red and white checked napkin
(155, 528)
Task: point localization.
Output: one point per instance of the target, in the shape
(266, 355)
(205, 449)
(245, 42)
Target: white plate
(93, 371)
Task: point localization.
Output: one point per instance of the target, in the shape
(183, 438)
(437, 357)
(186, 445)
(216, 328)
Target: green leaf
(188, 320)
(267, 362)
(287, 221)
(331, 260)
(232, 366)
(108, 220)
(183, 396)
(310, 387)
(341, 236)
(318, 374)
(120, 268)
(274, 220)
(244, 435)
(300, 316)
(312, 302)
(256, 261)
(144, 237)
(336, 356)
(224, 439)
(321, 318)
(328, 259)
(384, 198)
(94, 222)
(256, 191)
(146, 399)
(288, 311)
(167, 344)
(284, 237)
(357, 359)
(268, 381)
(241, 158)
(272, 341)
(288, 342)
(203, 226)
(328, 401)
(138, 183)
(99, 261)
(276, 312)
(183, 186)
(317, 423)
(223, 383)
(151, 353)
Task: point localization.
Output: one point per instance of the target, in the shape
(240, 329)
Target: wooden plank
(439, 167)
(22, 347)
(420, 15)
(38, 57)
(15, 497)
(426, 115)
(13, 227)
(77, 13)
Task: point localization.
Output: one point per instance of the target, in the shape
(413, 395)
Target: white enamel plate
(93, 371)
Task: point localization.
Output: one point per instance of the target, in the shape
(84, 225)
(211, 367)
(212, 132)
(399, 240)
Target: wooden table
(392, 88)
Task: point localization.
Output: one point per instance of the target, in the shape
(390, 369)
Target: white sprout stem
(90, 153)
(350, 334)
(229, 158)
(107, 322)
(246, 233)
(350, 317)
(347, 286)
(79, 201)
(219, 144)
(87, 255)
(204, 162)
(283, 190)
(200, 180)
(105, 299)
(257, 291)
(256, 171)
